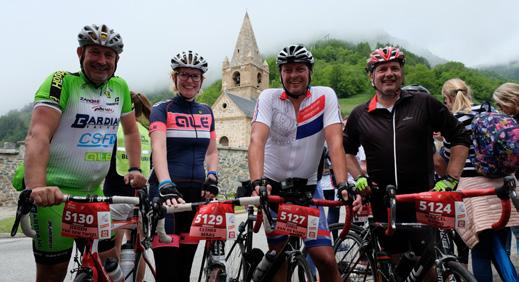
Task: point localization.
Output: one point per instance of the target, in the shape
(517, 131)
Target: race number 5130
(79, 217)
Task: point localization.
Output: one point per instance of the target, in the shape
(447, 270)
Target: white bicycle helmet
(101, 35)
(189, 59)
(295, 54)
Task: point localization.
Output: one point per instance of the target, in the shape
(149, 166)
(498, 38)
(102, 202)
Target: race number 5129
(210, 219)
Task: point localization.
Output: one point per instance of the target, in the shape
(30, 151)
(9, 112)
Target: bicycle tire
(83, 277)
(217, 274)
(235, 262)
(354, 264)
(299, 270)
(455, 271)
(357, 229)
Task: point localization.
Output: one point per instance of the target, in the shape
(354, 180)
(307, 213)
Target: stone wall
(10, 157)
(233, 168)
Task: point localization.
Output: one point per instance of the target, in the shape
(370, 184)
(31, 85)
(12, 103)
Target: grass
(347, 104)
(6, 224)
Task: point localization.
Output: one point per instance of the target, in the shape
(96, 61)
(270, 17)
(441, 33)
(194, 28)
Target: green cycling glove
(361, 183)
(447, 183)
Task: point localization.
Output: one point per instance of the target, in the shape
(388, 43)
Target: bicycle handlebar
(25, 205)
(505, 193)
(263, 202)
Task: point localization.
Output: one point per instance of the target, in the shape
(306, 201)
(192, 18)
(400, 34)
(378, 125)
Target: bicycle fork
(420, 269)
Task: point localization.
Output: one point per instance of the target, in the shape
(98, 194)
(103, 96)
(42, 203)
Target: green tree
(211, 93)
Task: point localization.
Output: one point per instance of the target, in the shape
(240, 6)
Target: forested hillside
(339, 65)
(508, 71)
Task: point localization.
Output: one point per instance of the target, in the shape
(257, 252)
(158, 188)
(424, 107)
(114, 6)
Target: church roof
(245, 105)
(246, 50)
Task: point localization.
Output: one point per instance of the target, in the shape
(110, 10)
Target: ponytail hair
(459, 94)
(141, 105)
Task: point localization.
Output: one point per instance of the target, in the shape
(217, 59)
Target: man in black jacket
(395, 128)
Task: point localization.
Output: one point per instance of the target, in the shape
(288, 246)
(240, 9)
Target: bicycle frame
(438, 254)
(244, 242)
(91, 263)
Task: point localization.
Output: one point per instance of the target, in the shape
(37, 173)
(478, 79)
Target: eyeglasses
(184, 76)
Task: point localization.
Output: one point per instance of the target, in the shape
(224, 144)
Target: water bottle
(113, 269)
(127, 260)
(218, 252)
(264, 266)
(407, 262)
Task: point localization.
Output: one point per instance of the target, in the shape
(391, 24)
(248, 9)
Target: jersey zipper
(394, 147)
(195, 142)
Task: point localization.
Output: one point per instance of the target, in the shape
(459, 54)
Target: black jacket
(416, 116)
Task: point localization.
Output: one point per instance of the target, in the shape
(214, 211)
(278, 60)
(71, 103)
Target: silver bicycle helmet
(189, 59)
(295, 54)
(100, 35)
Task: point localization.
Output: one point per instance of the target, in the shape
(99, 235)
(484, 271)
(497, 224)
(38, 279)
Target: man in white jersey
(289, 128)
(70, 140)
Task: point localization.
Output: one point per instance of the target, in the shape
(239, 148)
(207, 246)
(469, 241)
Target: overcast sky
(39, 37)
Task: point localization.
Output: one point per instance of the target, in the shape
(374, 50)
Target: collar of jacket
(372, 104)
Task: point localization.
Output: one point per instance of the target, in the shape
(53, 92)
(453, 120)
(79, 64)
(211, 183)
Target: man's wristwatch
(134, 168)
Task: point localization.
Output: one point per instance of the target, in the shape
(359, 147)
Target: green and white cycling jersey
(82, 145)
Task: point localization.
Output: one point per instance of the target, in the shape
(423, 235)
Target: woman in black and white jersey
(457, 97)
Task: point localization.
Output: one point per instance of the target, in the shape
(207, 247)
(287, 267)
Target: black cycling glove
(168, 190)
(211, 186)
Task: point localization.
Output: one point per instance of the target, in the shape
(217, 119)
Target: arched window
(224, 141)
(259, 78)
(236, 78)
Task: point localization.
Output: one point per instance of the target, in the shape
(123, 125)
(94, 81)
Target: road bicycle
(361, 257)
(87, 219)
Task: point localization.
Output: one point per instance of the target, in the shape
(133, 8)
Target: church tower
(247, 74)
(243, 79)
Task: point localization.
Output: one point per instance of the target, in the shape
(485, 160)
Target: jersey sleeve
(332, 112)
(50, 93)
(127, 99)
(449, 126)
(158, 117)
(351, 142)
(263, 109)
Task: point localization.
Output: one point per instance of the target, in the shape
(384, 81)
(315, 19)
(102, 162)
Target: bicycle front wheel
(298, 270)
(235, 262)
(216, 274)
(456, 272)
(354, 264)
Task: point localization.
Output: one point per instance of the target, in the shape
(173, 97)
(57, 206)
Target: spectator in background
(114, 184)
(506, 98)
(457, 97)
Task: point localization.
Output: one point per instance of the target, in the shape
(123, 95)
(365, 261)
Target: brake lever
(158, 211)
(510, 184)
(391, 204)
(145, 210)
(265, 205)
(25, 205)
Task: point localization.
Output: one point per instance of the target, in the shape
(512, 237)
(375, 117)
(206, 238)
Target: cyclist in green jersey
(70, 140)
